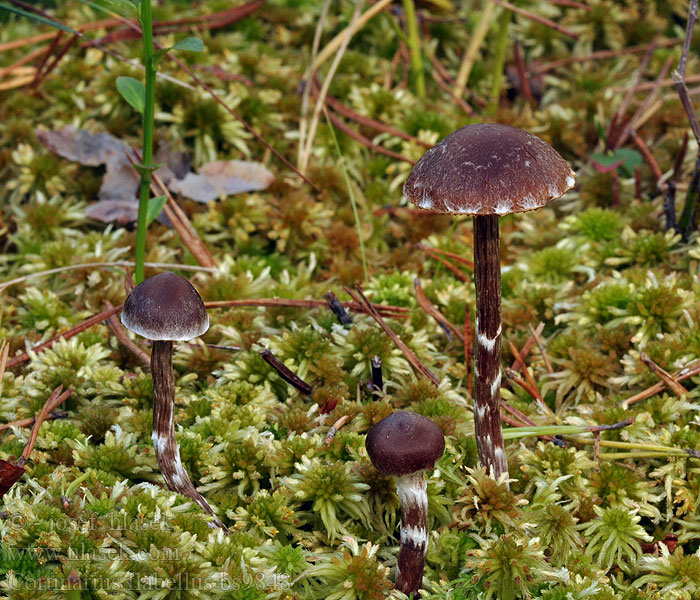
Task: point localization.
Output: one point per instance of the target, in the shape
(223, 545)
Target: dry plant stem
(350, 30)
(305, 155)
(330, 436)
(513, 376)
(543, 352)
(366, 141)
(55, 399)
(358, 296)
(377, 377)
(334, 304)
(537, 19)
(47, 54)
(105, 314)
(522, 74)
(453, 255)
(54, 62)
(601, 55)
(412, 492)
(487, 369)
(4, 352)
(676, 387)
(686, 372)
(308, 81)
(527, 346)
(443, 261)
(475, 43)
(646, 153)
(395, 312)
(533, 386)
(61, 414)
(167, 449)
(428, 307)
(120, 333)
(285, 373)
(348, 113)
(42, 37)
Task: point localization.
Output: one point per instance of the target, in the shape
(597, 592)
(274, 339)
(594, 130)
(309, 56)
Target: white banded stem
(412, 491)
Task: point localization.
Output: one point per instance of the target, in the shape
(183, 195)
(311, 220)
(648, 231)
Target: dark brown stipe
(487, 369)
(291, 378)
(377, 378)
(405, 444)
(334, 304)
(163, 436)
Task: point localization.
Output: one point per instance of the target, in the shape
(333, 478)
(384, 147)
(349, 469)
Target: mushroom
(167, 308)
(406, 444)
(488, 170)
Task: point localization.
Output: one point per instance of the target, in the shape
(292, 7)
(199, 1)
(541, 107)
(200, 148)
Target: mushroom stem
(414, 532)
(487, 371)
(167, 449)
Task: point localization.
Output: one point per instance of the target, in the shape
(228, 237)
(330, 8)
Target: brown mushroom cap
(488, 169)
(404, 442)
(165, 307)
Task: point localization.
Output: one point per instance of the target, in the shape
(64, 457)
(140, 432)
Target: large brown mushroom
(167, 308)
(488, 170)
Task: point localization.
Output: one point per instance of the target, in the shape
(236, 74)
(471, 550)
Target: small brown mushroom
(167, 308)
(406, 444)
(488, 170)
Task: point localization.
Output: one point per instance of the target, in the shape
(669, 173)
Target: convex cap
(488, 169)
(404, 442)
(165, 307)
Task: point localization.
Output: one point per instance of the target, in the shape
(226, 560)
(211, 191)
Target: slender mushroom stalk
(164, 308)
(406, 444)
(488, 170)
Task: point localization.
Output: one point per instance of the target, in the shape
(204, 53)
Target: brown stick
(537, 18)
(666, 377)
(543, 352)
(452, 255)
(330, 436)
(678, 76)
(428, 307)
(47, 54)
(530, 380)
(458, 273)
(602, 54)
(522, 74)
(394, 312)
(55, 399)
(359, 297)
(688, 371)
(285, 373)
(61, 414)
(4, 352)
(527, 346)
(120, 333)
(366, 141)
(73, 331)
(646, 153)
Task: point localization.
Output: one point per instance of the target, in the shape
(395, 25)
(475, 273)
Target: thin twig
(330, 436)
(428, 307)
(120, 263)
(459, 274)
(664, 375)
(646, 153)
(359, 297)
(105, 314)
(334, 304)
(453, 255)
(394, 312)
(690, 370)
(525, 350)
(543, 352)
(59, 414)
(537, 18)
(285, 373)
(56, 398)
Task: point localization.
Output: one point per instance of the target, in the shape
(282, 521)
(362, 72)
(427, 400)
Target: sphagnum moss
(599, 270)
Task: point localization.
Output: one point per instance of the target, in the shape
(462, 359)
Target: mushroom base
(167, 449)
(413, 495)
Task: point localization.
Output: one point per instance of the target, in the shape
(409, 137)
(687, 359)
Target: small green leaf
(37, 18)
(133, 91)
(155, 205)
(190, 44)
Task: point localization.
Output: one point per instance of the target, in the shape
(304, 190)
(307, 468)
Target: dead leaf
(122, 212)
(9, 474)
(223, 178)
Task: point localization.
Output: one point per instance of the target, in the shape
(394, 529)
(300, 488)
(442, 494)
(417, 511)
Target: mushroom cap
(165, 307)
(404, 442)
(488, 169)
